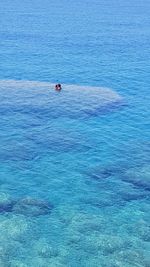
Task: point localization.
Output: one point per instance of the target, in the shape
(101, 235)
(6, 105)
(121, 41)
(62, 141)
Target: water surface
(74, 165)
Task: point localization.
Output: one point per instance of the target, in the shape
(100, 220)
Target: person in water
(58, 87)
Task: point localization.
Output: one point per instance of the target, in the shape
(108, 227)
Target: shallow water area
(62, 185)
(40, 97)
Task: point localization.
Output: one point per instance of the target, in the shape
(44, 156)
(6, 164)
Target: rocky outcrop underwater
(26, 206)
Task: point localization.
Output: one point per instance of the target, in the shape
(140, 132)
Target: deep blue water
(74, 165)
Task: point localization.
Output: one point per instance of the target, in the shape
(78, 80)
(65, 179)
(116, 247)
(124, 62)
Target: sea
(74, 164)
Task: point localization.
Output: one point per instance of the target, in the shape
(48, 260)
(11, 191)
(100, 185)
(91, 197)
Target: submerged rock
(6, 204)
(75, 101)
(26, 206)
(100, 173)
(32, 207)
(139, 177)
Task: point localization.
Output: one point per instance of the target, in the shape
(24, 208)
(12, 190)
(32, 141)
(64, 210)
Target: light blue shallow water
(74, 165)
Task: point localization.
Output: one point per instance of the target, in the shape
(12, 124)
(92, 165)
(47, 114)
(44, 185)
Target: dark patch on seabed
(137, 176)
(27, 206)
(133, 169)
(121, 182)
(102, 173)
(6, 207)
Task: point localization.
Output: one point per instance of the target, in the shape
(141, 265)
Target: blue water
(74, 165)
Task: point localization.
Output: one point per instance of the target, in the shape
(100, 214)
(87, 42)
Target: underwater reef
(25, 206)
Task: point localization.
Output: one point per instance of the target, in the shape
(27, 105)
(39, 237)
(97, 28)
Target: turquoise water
(74, 165)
